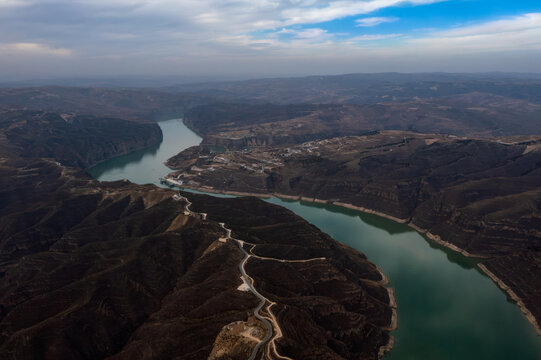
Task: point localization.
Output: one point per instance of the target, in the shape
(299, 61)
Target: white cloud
(33, 49)
(340, 9)
(11, 3)
(80, 23)
(309, 33)
(373, 37)
(230, 15)
(514, 24)
(374, 21)
(516, 33)
(133, 36)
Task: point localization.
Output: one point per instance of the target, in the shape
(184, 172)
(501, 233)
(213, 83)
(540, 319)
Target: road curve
(263, 300)
(271, 321)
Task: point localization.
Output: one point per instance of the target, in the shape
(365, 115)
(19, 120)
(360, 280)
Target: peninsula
(92, 270)
(477, 195)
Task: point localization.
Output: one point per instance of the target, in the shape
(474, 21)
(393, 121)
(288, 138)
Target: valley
(438, 291)
(121, 268)
(115, 270)
(475, 195)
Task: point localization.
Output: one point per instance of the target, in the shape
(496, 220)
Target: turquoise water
(447, 309)
(146, 166)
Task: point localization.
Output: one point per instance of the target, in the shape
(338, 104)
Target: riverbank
(432, 237)
(123, 153)
(444, 301)
(193, 129)
(315, 265)
(527, 313)
(393, 325)
(438, 240)
(393, 322)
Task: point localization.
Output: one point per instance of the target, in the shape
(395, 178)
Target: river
(447, 308)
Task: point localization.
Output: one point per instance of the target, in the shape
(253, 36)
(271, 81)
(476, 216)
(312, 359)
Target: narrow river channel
(447, 309)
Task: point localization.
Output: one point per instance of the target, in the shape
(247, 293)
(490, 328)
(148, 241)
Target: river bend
(447, 309)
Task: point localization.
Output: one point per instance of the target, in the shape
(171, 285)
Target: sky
(263, 38)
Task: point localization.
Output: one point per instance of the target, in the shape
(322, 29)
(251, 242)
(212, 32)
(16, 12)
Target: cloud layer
(249, 38)
(374, 21)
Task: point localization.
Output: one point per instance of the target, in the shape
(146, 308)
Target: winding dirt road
(274, 332)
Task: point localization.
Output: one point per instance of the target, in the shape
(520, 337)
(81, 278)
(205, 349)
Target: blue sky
(414, 21)
(250, 38)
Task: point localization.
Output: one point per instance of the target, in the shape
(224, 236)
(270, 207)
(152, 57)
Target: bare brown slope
(481, 197)
(144, 105)
(335, 307)
(74, 140)
(84, 265)
(92, 270)
(472, 115)
(373, 88)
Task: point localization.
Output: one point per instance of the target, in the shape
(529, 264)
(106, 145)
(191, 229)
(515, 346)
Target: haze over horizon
(245, 39)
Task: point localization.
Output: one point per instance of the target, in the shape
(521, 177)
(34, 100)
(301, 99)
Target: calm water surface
(447, 309)
(147, 165)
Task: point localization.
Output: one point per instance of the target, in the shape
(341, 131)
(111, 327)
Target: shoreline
(192, 129)
(120, 154)
(393, 325)
(527, 313)
(369, 211)
(125, 153)
(393, 322)
(436, 238)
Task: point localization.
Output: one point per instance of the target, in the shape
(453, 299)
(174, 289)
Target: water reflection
(119, 163)
(454, 257)
(390, 227)
(145, 166)
(445, 311)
